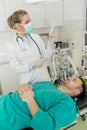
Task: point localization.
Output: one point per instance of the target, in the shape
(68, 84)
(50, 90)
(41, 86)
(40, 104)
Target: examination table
(82, 104)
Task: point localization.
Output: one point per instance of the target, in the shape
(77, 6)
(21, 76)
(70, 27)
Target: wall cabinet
(46, 14)
(54, 13)
(42, 15)
(37, 15)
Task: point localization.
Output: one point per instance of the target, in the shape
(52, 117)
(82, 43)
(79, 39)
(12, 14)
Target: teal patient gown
(56, 110)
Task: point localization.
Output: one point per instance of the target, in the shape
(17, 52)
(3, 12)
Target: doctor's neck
(22, 34)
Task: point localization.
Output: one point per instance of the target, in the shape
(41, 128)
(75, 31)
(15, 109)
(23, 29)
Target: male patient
(42, 106)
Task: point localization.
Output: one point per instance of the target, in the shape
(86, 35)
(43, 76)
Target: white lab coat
(20, 60)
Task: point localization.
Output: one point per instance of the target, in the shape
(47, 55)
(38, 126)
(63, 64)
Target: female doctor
(27, 52)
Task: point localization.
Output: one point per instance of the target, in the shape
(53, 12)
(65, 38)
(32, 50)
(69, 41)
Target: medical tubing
(18, 41)
(54, 68)
(64, 73)
(72, 63)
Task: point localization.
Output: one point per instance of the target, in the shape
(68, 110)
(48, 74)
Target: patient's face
(72, 83)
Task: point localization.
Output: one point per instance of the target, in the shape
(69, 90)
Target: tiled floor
(81, 125)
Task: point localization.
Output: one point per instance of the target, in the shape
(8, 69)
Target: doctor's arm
(47, 52)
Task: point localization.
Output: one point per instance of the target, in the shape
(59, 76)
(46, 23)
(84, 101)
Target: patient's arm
(27, 95)
(23, 87)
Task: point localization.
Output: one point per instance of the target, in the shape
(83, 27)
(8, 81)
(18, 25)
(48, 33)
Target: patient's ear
(76, 92)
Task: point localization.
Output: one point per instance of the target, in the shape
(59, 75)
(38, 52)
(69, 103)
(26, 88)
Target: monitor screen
(86, 39)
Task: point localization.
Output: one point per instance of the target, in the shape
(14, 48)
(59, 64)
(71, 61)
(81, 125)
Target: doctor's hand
(38, 62)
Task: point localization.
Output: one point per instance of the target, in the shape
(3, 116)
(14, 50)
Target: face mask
(28, 28)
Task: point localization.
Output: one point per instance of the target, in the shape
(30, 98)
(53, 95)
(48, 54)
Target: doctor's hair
(16, 17)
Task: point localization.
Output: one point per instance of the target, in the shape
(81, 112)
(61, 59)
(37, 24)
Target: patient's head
(73, 86)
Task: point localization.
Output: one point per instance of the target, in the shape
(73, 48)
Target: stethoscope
(23, 48)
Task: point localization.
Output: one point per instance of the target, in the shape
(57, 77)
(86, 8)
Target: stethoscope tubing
(23, 49)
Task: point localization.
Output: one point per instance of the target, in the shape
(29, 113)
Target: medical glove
(38, 62)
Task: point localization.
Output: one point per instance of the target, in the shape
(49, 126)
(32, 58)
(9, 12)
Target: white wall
(74, 18)
(73, 9)
(9, 80)
(74, 24)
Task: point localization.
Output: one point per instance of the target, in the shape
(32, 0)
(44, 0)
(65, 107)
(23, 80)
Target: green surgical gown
(57, 109)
